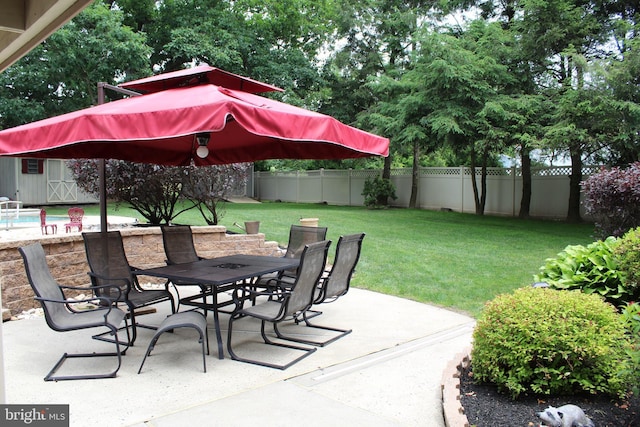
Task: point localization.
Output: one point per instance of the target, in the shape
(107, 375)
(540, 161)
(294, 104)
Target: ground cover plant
(458, 261)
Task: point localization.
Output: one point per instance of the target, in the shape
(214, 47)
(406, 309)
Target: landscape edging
(452, 409)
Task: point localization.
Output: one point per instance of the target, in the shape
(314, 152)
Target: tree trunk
(386, 169)
(415, 175)
(525, 202)
(474, 183)
(483, 180)
(573, 213)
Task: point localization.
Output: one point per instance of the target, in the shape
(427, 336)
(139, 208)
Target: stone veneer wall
(143, 245)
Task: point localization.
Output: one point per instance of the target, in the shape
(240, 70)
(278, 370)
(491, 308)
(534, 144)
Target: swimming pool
(35, 220)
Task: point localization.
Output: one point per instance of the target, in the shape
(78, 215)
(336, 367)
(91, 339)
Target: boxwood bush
(546, 342)
(631, 316)
(627, 253)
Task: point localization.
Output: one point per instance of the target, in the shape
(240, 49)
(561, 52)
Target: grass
(453, 260)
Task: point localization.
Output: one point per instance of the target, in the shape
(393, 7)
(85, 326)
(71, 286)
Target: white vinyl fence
(438, 188)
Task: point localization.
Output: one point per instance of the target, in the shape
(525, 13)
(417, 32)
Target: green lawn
(453, 260)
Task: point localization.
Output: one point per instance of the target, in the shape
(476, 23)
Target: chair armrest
(250, 293)
(114, 280)
(281, 282)
(118, 289)
(136, 283)
(107, 303)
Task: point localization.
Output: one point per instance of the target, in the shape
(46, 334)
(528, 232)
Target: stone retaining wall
(68, 263)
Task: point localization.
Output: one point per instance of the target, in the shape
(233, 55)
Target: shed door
(61, 188)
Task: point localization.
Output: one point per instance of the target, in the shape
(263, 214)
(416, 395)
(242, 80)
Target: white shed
(40, 182)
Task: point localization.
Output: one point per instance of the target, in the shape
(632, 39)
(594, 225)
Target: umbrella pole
(102, 168)
(102, 171)
(102, 165)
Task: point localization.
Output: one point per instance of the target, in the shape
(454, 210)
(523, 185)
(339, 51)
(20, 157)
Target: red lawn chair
(75, 219)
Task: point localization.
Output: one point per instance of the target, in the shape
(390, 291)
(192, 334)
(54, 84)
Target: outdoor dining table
(216, 274)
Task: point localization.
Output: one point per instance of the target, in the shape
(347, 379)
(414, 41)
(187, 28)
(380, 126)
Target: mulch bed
(485, 407)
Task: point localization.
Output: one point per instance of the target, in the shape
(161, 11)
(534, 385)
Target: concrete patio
(387, 372)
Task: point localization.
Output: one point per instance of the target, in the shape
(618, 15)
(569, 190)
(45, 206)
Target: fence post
(513, 196)
(349, 174)
(321, 185)
(462, 189)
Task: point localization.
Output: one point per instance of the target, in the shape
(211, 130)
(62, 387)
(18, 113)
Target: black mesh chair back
(109, 266)
(336, 283)
(108, 261)
(312, 263)
(179, 249)
(300, 235)
(284, 302)
(346, 258)
(45, 287)
(60, 316)
(178, 244)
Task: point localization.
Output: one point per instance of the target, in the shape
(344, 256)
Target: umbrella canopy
(198, 75)
(161, 128)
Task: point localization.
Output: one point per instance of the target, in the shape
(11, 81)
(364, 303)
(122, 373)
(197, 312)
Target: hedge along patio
(438, 188)
(143, 245)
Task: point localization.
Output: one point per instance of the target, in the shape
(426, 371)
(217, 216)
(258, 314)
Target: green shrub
(377, 192)
(627, 252)
(612, 199)
(549, 342)
(631, 317)
(591, 269)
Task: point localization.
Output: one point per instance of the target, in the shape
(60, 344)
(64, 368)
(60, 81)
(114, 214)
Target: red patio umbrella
(161, 128)
(167, 127)
(198, 75)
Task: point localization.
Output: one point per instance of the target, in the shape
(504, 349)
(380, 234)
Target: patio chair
(336, 283)
(179, 249)
(283, 303)
(43, 223)
(109, 266)
(61, 316)
(75, 219)
(299, 236)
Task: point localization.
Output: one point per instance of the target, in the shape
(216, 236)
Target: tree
(519, 122)
(274, 40)
(612, 198)
(379, 41)
(60, 74)
(456, 83)
(155, 190)
(208, 187)
(152, 190)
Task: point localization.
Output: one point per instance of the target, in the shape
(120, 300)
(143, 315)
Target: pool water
(35, 220)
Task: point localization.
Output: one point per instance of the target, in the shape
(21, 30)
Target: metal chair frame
(61, 316)
(283, 303)
(335, 284)
(179, 249)
(109, 265)
(185, 319)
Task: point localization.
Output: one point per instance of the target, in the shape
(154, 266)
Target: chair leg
(310, 315)
(307, 351)
(305, 319)
(181, 320)
(50, 376)
(126, 344)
